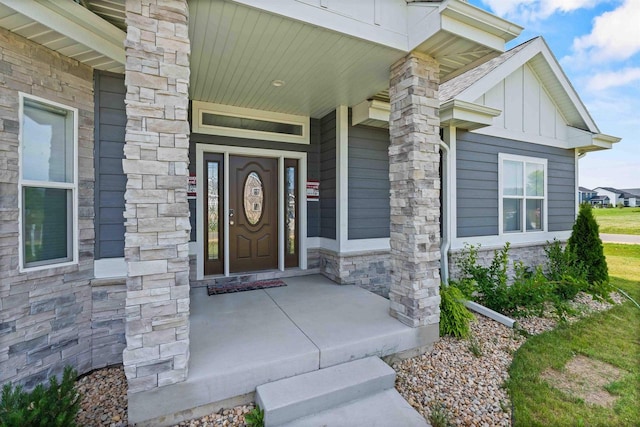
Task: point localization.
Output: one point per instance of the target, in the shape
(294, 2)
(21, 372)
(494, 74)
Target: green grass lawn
(612, 337)
(618, 221)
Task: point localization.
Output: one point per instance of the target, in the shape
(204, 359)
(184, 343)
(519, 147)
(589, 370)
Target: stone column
(157, 211)
(415, 185)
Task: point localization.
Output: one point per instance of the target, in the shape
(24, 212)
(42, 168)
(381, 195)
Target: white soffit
(238, 51)
(68, 28)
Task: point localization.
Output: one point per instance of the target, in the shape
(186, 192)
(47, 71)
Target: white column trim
(302, 211)
(342, 175)
(577, 184)
(225, 215)
(281, 232)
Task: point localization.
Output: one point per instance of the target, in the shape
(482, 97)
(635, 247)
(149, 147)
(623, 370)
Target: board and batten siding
(328, 176)
(110, 123)
(477, 182)
(369, 209)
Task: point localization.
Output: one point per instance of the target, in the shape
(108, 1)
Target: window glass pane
(213, 210)
(512, 178)
(535, 179)
(253, 198)
(291, 211)
(534, 215)
(512, 215)
(46, 225)
(211, 119)
(47, 143)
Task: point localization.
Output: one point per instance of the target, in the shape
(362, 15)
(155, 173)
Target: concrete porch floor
(242, 340)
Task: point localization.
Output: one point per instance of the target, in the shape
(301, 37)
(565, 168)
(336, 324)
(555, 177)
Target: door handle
(231, 213)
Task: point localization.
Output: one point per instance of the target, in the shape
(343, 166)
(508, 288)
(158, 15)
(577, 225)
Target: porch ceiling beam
(75, 22)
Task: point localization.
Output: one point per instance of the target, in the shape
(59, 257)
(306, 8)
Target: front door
(253, 214)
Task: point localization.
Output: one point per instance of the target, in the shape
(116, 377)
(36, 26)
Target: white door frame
(227, 151)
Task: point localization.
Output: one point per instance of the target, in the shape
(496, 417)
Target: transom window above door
(523, 193)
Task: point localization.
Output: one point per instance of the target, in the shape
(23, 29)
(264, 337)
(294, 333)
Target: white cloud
(524, 11)
(615, 35)
(610, 79)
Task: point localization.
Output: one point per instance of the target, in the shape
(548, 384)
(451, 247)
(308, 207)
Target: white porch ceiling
(237, 51)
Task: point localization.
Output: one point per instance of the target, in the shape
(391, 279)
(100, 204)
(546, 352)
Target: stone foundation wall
(369, 270)
(107, 321)
(530, 255)
(45, 315)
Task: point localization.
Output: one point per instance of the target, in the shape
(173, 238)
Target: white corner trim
(77, 23)
(109, 267)
(200, 108)
(342, 175)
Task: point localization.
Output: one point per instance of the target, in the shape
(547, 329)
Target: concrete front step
(384, 409)
(324, 392)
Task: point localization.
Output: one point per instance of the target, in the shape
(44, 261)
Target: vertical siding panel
(110, 122)
(531, 99)
(513, 101)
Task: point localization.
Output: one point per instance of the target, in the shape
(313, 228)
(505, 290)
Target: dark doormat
(217, 289)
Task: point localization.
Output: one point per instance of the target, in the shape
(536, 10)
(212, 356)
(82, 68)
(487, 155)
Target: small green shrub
(254, 418)
(491, 282)
(439, 416)
(475, 346)
(454, 316)
(585, 242)
(55, 406)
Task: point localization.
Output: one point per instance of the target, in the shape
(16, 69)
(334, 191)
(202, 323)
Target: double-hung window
(523, 193)
(48, 183)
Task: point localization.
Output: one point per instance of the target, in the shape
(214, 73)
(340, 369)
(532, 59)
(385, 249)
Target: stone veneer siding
(45, 315)
(369, 270)
(414, 160)
(157, 224)
(530, 255)
(107, 321)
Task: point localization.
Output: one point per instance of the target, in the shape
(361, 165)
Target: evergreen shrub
(454, 316)
(54, 406)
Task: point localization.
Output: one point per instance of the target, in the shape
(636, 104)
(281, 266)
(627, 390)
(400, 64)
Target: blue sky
(598, 45)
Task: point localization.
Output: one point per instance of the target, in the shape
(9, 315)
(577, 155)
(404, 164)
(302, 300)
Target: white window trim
(280, 155)
(69, 186)
(545, 199)
(199, 108)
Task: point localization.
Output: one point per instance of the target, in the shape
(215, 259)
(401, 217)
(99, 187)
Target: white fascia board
(498, 74)
(466, 115)
(324, 18)
(77, 23)
(461, 19)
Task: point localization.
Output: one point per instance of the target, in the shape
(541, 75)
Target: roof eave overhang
(458, 28)
(461, 114)
(585, 141)
(466, 115)
(73, 21)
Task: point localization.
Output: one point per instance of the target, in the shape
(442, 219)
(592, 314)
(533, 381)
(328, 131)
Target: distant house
(585, 195)
(600, 201)
(619, 196)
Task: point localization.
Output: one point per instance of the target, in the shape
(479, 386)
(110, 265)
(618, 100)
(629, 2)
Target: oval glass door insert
(253, 198)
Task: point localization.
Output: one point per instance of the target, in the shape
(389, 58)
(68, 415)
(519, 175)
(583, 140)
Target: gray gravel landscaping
(461, 378)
